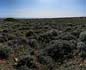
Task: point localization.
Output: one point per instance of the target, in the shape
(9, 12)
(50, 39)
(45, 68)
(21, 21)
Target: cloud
(46, 14)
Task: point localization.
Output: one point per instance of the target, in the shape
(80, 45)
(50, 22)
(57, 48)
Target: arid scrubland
(43, 44)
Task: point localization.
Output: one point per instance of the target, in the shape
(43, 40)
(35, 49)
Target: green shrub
(82, 36)
(26, 61)
(33, 43)
(23, 68)
(60, 50)
(82, 49)
(4, 52)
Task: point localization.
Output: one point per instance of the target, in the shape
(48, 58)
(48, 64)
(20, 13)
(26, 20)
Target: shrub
(3, 38)
(4, 52)
(82, 49)
(68, 29)
(27, 61)
(48, 36)
(33, 43)
(45, 60)
(23, 68)
(17, 42)
(30, 34)
(81, 45)
(60, 50)
(76, 33)
(66, 36)
(82, 36)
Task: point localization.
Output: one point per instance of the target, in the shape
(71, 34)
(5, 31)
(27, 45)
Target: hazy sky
(42, 8)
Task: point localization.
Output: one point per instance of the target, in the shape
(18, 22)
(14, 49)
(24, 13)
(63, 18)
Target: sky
(42, 8)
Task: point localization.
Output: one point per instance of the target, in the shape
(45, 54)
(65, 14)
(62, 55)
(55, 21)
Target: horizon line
(43, 17)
